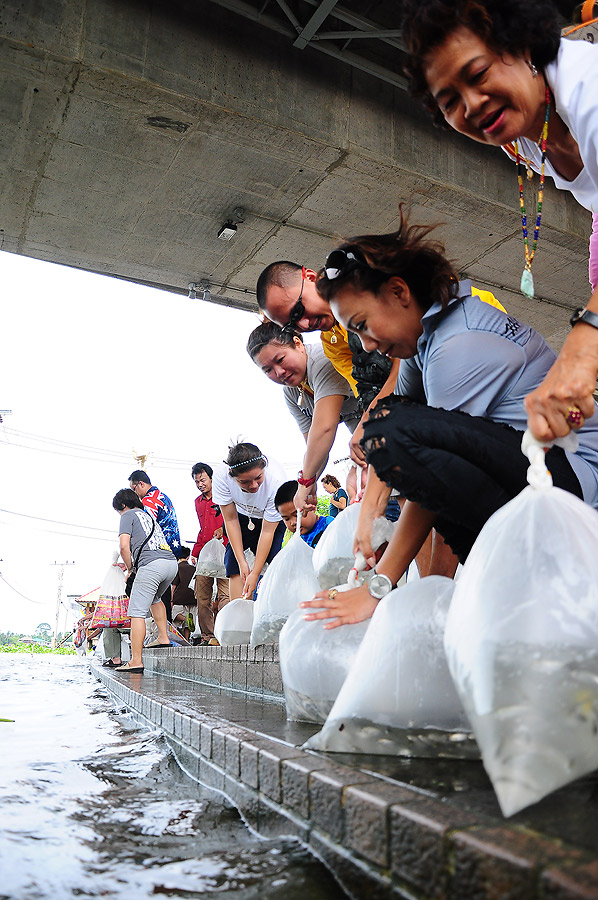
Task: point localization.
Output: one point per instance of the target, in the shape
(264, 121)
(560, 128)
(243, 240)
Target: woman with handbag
(151, 568)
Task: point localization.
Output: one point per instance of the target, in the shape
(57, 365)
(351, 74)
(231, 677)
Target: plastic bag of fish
(398, 697)
(210, 561)
(289, 580)
(314, 662)
(234, 621)
(333, 556)
(522, 641)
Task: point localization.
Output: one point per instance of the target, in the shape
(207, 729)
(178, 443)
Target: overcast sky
(94, 368)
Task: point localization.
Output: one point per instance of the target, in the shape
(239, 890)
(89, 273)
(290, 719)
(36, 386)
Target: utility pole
(59, 597)
(141, 458)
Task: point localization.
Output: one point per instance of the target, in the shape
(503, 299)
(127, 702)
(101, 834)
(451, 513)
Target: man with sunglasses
(211, 525)
(286, 292)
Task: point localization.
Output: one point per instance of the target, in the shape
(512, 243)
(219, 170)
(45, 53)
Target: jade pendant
(527, 283)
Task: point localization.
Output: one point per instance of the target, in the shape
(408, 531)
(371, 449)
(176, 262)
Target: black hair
(200, 467)
(277, 274)
(269, 333)
(244, 456)
(285, 493)
(406, 253)
(139, 475)
(126, 497)
(184, 553)
(517, 27)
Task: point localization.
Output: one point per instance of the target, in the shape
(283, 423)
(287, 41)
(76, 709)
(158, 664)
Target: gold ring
(575, 417)
(332, 592)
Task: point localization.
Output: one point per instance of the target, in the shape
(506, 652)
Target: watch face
(379, 586)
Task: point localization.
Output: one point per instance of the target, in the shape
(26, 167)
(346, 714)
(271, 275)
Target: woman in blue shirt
(339, 499)
(451, 441)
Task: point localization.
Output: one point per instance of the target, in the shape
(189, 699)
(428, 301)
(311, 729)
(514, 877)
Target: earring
(532, 68)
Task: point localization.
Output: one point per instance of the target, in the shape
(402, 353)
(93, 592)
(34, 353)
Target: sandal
(133, 670)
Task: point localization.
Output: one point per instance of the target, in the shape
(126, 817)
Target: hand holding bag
(112, 608)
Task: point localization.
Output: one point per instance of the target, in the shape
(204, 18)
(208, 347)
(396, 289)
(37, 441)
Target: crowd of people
(434, 379)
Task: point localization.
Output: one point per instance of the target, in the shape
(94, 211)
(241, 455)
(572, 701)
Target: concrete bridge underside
(131, 131)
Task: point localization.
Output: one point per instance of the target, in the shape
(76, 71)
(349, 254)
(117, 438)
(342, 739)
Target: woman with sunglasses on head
(499, 72)
(450, 441)
(244, 488)
(316, 395)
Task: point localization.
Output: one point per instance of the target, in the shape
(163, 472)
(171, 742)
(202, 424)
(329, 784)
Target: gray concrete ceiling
(131, 131)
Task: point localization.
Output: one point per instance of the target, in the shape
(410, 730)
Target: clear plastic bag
(522, 641)
(234, 621)
(289, 580)
(111, 610)
(210, 561)
(333, 556)
(314, 663)
(398, 697)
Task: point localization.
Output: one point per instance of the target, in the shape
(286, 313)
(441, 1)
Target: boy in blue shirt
(312, 525)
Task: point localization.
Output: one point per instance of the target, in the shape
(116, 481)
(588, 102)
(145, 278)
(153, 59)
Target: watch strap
(584, 315)
(307, 482)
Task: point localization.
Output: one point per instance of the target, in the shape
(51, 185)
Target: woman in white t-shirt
(500, 73)
(317, 396)
(244, 489)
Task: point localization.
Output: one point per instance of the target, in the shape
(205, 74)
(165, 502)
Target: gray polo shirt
(476, 358)
(324, 381)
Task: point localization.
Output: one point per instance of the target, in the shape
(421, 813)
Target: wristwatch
(307, 482)
(380, 585)
(582, 314)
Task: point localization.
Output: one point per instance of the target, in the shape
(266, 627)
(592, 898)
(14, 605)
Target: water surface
(95, 806)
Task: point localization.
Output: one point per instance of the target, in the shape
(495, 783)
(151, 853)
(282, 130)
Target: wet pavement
(567, 814)
(94, 806)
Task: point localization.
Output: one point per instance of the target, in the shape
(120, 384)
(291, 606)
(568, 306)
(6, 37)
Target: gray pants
(111, 643)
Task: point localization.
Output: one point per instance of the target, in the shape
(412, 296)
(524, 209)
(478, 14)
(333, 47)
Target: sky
(95, 371)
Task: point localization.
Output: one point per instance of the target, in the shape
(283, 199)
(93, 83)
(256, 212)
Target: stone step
(256, 671)
(387, 827)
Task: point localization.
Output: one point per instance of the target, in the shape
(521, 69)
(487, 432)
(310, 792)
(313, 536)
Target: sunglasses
(338, 261)
(298, 309)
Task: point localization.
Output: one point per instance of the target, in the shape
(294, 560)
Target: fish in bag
(522, 640)
(234, 621)
(288, 581)
(398, 697)
(333, 556)
(314, 663)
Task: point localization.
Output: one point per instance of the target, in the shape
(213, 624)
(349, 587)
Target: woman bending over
(244, 488)
(450, 440)
(316, 395)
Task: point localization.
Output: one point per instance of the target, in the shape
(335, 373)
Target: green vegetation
(35, 648)
(323, 506)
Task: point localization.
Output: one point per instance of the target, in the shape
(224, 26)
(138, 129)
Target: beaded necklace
(527, 280)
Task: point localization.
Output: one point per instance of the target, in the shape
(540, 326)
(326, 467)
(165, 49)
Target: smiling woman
(318, 397)
(499, 72)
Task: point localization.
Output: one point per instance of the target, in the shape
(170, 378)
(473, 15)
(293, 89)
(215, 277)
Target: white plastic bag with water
(289, 580)
(314, 663)
(398, 697)
(210, 561)
(333, 556)
(522, 640)
(234, 621)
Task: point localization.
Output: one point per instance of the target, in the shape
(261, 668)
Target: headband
(248, 461)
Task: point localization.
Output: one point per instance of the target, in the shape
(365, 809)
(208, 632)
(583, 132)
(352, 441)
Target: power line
(56, 522)
(29, 600)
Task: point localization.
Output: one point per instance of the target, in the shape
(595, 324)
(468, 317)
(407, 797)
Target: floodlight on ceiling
(228, 231)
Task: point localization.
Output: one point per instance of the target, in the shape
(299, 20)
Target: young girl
(244, 489)
(317, 396)
(451, 441)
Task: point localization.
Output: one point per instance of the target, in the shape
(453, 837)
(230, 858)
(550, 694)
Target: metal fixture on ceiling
(283, 20)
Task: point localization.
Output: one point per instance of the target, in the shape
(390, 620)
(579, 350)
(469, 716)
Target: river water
(92, 805)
